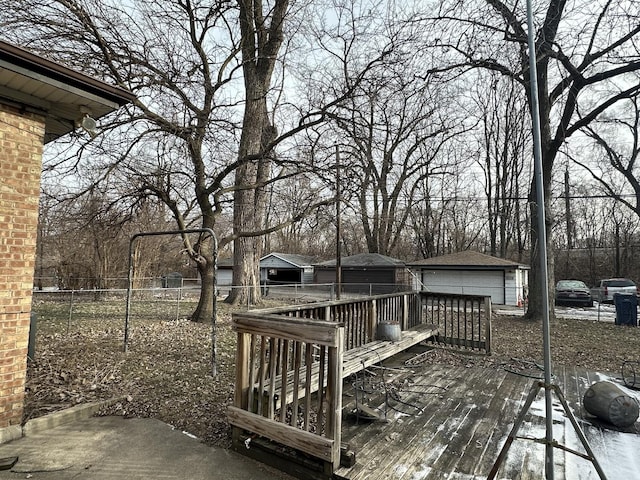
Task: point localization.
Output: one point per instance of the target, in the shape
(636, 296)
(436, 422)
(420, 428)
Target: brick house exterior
(21, 141)
(27, 121)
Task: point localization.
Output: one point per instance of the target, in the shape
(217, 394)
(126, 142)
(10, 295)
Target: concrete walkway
(100, 448)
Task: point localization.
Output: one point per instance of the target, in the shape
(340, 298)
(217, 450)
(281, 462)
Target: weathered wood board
(452, 422)
(354, 361)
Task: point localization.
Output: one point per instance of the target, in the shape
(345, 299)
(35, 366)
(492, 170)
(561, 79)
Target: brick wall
(21, 140)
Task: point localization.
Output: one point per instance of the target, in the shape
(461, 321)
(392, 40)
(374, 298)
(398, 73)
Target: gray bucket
(388, 331)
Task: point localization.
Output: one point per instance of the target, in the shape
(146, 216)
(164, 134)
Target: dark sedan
(573, 293)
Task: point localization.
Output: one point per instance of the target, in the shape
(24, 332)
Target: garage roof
(61, 94)
(365, 260)
(467, 259)
(293, 259)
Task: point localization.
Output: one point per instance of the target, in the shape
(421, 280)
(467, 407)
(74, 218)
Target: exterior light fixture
(88, 123)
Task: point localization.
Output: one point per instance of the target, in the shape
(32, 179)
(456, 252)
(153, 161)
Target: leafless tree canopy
(240, 106)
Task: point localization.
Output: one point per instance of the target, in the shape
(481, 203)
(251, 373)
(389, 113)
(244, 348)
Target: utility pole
(567, 207)
(569, 221)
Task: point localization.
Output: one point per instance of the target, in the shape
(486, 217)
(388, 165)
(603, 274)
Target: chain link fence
(165, 302)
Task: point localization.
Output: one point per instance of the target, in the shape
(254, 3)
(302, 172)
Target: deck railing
(309, 352)
(289, 361)
(463, 320)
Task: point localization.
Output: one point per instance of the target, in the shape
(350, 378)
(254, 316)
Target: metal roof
(61, 94)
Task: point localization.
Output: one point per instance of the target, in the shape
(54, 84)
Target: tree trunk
(247, 215)
(536, 304)
(262, 36)
(204, 311)
(203, 255)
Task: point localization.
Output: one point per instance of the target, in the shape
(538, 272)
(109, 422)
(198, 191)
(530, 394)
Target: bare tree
(394, 128)
(503, 143)
(192, 65)
(262, 32)
(616, 136)
(447, 215)
(582, 50)
(178, 58)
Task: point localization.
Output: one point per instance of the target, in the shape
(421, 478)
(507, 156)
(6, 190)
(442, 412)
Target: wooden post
(242, 370)
(487, 313)
(405, 312)
(372, 319)
(334, 396)
(242, 380)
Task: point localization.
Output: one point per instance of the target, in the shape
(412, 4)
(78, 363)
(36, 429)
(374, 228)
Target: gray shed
(474, 273)
(366, 273)
(286, 268)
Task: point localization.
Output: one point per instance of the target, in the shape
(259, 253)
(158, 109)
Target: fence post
(70, 312)
(179, 296)
(240, 398)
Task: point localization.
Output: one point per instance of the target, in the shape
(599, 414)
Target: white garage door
(468, 282)
(224, 277)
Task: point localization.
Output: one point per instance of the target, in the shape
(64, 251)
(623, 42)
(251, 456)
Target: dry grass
(166, 372)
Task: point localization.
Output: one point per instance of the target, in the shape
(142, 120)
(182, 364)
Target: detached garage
(366, 273)
(474, 273)
(286, 268)
(224, 272)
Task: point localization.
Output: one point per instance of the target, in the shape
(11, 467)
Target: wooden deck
(451, 422)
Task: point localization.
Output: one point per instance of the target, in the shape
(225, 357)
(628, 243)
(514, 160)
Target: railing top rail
(331, 303)
(289, 328)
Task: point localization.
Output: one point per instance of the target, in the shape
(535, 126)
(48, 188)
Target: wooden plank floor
(451, 422)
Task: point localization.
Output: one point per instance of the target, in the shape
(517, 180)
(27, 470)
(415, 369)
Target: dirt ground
(167, 371)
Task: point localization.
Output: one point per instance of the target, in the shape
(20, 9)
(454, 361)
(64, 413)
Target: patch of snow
(616, 452)
(601, 312)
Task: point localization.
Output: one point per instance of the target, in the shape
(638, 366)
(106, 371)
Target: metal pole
(178, 299)
(127, 312)
(71, 312)
(542, 241)
(214, 301)
(338, 228)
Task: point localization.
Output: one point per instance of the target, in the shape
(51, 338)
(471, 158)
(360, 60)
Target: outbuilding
(367, 273)
(473, 273)
(224, 272)
(286, 269)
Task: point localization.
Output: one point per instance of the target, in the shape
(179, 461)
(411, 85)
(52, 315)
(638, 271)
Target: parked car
(605, 289)
(574, 293)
